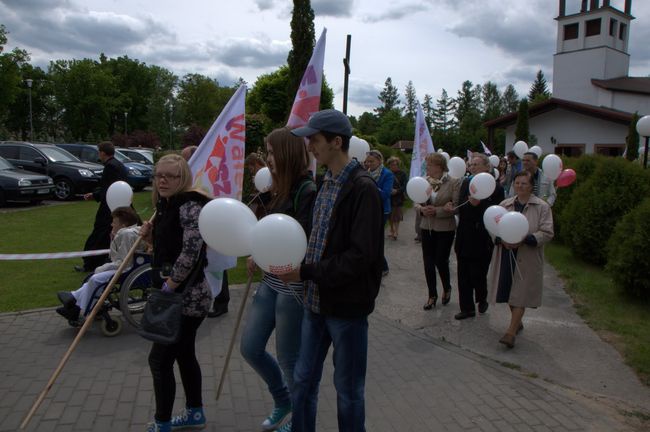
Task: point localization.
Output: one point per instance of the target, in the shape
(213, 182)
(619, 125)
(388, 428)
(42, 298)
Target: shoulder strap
(297, 195)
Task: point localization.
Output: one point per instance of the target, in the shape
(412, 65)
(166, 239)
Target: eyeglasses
(166, 177)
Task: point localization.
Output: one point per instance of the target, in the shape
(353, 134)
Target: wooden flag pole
(234, 335)
(88, 321)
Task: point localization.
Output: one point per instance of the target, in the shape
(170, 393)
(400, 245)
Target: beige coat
(442, 220)
(527, 280)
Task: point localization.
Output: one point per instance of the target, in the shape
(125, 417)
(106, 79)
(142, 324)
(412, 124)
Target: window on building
(593, 27)
(613, 27)
(570, 150)
(622, 29)
(571, 31)
(609, 149)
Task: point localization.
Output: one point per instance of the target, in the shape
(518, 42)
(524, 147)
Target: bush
(584, 167)
(628, 248)
(615, 187)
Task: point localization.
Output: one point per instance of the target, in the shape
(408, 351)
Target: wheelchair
(129, 296)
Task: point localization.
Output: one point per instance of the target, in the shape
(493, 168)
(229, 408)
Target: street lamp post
(31, 125)
(171, 128)
(126, 116)
(643, 128)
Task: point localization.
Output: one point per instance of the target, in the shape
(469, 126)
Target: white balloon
(263, 179)
(482, 186)
(119, 194)
(495, 173)
(494, 160)
(358, 149)
(457, 167)
(418, 189)
(491, 218)
(279, 243)
(537, 150)
(513, 227)
(440, 150)
(552, 166)
(446, 155)
(225, 225)
(520, 148)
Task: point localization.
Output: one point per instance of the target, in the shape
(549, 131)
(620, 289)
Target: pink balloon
(566, 178)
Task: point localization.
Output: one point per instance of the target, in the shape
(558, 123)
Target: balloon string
(514, 262)
(460, 205)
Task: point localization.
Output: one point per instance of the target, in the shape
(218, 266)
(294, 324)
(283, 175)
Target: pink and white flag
(422, 146)
(469, 155)
(485, 149)
(218, 168)
(307, 98)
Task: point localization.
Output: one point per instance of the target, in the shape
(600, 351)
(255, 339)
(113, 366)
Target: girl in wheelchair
(123, 236)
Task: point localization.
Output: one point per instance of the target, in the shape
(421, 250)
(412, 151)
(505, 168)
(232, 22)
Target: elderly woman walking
(516, 271)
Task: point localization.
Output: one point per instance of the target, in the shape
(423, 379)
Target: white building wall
(572, 73)
(567, 127)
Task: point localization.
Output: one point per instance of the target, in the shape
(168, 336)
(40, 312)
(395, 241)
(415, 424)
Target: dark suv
(71, 176)
(138, 175)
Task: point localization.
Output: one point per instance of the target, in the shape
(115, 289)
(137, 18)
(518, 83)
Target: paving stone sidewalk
(415, 383)
(560, 377)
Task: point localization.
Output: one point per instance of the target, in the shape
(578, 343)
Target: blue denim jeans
(350, 340)
(272, 310)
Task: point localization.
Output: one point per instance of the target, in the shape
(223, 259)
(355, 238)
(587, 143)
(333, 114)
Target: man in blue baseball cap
(342, 270)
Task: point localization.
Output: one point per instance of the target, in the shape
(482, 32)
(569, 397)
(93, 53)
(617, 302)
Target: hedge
(584, 167)
(588, 220)
(628, 249)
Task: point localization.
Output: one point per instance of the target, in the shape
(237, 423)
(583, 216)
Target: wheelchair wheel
(111, 327)
(134, 293)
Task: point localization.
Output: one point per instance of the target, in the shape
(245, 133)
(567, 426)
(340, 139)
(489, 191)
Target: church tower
(591, 44)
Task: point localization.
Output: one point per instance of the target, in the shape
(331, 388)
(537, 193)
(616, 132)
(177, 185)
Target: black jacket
(472, 239)
(114, 171)
(300, 203)
(348, 274)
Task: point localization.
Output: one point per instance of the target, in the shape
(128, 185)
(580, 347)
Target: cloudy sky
(435, 43)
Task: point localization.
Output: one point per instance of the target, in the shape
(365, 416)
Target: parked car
(138, 176)
(136, 156)
(71, 176)
(20, 185)
(147, 152)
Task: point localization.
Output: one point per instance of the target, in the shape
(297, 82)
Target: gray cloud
(363, 93)
(265, 4)
(69, 29)
(253, 53)
(396, 12)
(334, 8)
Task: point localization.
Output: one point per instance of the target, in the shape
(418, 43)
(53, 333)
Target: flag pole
(87, 323)
(346, 64)
(234, 335)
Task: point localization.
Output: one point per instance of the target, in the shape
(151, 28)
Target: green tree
(443, 115)
(11, 84)
(632, 139)
(509, 100)
(411, 101)
(428, 110)
(539, 89)
(368, 124)
(394, 127)
(201, 99)
(491, 101)
(389, 98)
(522, 131)
(268, 95)
(466, 102)
(161, 102)
(87, 95)
(302, 45)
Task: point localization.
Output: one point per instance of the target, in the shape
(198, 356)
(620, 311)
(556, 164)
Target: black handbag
(161, 320)
(163, 312)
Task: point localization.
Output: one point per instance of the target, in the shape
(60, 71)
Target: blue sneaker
(158, 426)
(285, 428)
(276, 418)
(190, 418)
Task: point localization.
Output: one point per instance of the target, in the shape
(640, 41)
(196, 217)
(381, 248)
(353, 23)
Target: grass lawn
(620, 320)
(61, 228)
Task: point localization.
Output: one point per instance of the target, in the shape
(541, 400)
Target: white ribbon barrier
(55, 255)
